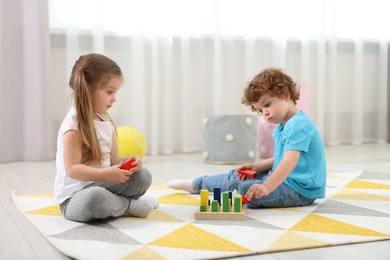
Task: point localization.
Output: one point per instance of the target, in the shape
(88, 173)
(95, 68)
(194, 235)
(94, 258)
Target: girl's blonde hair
(90, 72)
(271, 81)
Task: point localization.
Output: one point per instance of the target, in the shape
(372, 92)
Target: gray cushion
(230, 139)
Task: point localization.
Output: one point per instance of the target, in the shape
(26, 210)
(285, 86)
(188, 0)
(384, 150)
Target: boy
(296, 175)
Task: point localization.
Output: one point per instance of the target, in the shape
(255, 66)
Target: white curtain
(186, 59)
(25, 107)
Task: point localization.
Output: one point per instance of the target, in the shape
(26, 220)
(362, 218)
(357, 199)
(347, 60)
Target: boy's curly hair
(271, 81)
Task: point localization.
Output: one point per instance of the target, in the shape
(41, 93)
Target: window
(254, 18)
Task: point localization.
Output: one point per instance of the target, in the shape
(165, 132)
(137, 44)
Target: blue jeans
(282, 196)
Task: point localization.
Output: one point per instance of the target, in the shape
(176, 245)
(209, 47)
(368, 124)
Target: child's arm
(77, 170)
(281, 172)
(263, 166)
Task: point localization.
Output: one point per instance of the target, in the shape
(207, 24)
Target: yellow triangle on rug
(362, 184)
(143, 253)
(350, 194)
(291, 240)
(53, 210)
(321, 224)
(192, 237)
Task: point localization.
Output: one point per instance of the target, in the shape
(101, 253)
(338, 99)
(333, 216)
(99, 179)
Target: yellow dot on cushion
(248, 121)
(229, 137)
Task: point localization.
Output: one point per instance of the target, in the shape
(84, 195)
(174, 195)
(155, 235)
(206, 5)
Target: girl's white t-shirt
(65, 186)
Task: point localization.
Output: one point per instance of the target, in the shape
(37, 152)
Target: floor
(20, 240)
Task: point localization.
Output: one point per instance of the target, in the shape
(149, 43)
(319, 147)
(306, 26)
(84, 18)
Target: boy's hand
(245, 173)
(250, 166)
(241, 177)
(257, 191)
(241, 171)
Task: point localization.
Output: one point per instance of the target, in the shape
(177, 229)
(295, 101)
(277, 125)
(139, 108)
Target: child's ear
(286, 97)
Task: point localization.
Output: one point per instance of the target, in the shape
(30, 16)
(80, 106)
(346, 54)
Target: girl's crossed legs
(103, 199)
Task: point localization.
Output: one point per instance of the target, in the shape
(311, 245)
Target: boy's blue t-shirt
(301, 134)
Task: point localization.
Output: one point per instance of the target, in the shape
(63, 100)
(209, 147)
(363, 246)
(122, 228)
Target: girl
(89, 183)
(296, 175)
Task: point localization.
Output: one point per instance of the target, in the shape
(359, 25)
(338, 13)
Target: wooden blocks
(222, 207)
(208, 215)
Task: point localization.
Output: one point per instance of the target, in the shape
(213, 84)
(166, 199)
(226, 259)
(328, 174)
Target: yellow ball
(131, 142)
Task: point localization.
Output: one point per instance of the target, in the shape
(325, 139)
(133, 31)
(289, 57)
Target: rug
(356, 209)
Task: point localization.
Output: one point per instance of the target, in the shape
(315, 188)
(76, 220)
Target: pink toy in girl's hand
(127, 165)
(247, 172)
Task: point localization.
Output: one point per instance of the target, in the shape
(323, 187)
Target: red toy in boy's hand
(245, 200)
(127, 165)
(247, 173)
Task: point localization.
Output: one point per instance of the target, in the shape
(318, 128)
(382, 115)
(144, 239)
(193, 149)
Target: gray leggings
(104, 199)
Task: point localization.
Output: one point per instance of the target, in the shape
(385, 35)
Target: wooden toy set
(226, 207)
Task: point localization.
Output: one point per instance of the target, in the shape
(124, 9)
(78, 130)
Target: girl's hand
(257, 191)
(137, 164)
(115, 174)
